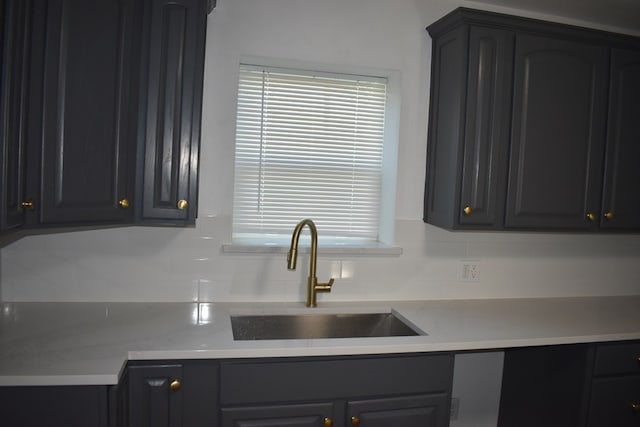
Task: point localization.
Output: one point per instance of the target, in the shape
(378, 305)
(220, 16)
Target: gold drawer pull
(328, 422)
(591, 216)
(635, 407)
(608, 216)
(355, 421)
(183, 204)
(175, 385)
(124, 203)
(467, 211)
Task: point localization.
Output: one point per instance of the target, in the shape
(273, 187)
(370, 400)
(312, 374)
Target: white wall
(169, 264)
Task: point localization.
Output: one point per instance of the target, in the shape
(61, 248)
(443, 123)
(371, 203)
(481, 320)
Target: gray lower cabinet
(408, 411)
(290, 415)
(170, 394)
(615, 390)
(68, 406)
(373, 391)
(580, 385)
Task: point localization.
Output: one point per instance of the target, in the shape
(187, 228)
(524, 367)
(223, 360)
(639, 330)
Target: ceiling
(623, 14)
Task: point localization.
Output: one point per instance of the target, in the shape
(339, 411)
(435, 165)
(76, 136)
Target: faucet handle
(324, 287)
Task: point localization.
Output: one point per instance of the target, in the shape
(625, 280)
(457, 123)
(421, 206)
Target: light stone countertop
(90, 343)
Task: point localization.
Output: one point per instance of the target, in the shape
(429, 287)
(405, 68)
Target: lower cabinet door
(68, 406)
(615, 402)
(155, 399)
(300, 415)
(430, 410)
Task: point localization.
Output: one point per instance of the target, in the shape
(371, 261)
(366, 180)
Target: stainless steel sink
(307, 326)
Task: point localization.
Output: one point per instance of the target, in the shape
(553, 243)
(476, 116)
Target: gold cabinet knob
(635, 407)
(328, 422)
(183, 204)
(591, 216)
(467, 210)
(608, 215)
(175, 385)
(28, 205)
(124, 203)
(355, 421)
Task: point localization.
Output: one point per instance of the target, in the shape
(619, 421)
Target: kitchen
(154, 264)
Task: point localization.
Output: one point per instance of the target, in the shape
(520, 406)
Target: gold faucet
(313, 287)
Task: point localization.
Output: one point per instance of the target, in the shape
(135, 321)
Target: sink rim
(331, 314)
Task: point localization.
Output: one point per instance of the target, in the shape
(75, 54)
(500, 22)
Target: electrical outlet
(455, 408)
(469, 270)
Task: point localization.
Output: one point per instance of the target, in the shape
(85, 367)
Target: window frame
(384, 243)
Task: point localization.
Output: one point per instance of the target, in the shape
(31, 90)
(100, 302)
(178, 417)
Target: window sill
(373, 249)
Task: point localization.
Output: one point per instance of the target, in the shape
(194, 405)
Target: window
(309, 145)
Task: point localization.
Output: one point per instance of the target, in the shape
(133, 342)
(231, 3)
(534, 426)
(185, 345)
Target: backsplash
(173, 264)
(167, 264)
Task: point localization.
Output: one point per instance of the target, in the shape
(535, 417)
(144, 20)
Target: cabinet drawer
(614, 402)
(405, 411)
(301, 415)
(617, 358)
(331, 378)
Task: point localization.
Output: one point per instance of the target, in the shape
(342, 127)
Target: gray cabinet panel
(621, 196)
(152, 398)
(85, 100)
(268, 381)
(532, 126)
(469, 128)
(68, 406)
(14, 77)
(448, 69)
(294, 415)
(557, 140)
(545, 386)
(375, 391)
(486, 141)
(611, 402)
(152, 402)
(411, 411)
(170, 110)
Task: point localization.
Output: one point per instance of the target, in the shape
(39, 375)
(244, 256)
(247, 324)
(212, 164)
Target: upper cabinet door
(14, 69)
(469, 127)
(85, 101)
(621, 196)
(486, 136)
(170, 112)
(558, 134)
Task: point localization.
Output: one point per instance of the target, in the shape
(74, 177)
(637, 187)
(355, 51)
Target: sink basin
(307, 326)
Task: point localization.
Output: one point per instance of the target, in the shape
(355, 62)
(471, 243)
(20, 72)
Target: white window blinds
(308, 145)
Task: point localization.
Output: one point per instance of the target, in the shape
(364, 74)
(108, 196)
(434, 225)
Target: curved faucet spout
(313, 287)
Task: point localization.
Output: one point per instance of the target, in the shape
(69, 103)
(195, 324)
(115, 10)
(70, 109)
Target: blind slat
(308, 145)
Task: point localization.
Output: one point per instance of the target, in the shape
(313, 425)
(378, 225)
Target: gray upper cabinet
(620, 198)
(170, 110)
(100, 111)
(86, 79)
(466, 172)
(14, 77)
(530, 126)
(558, 133)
